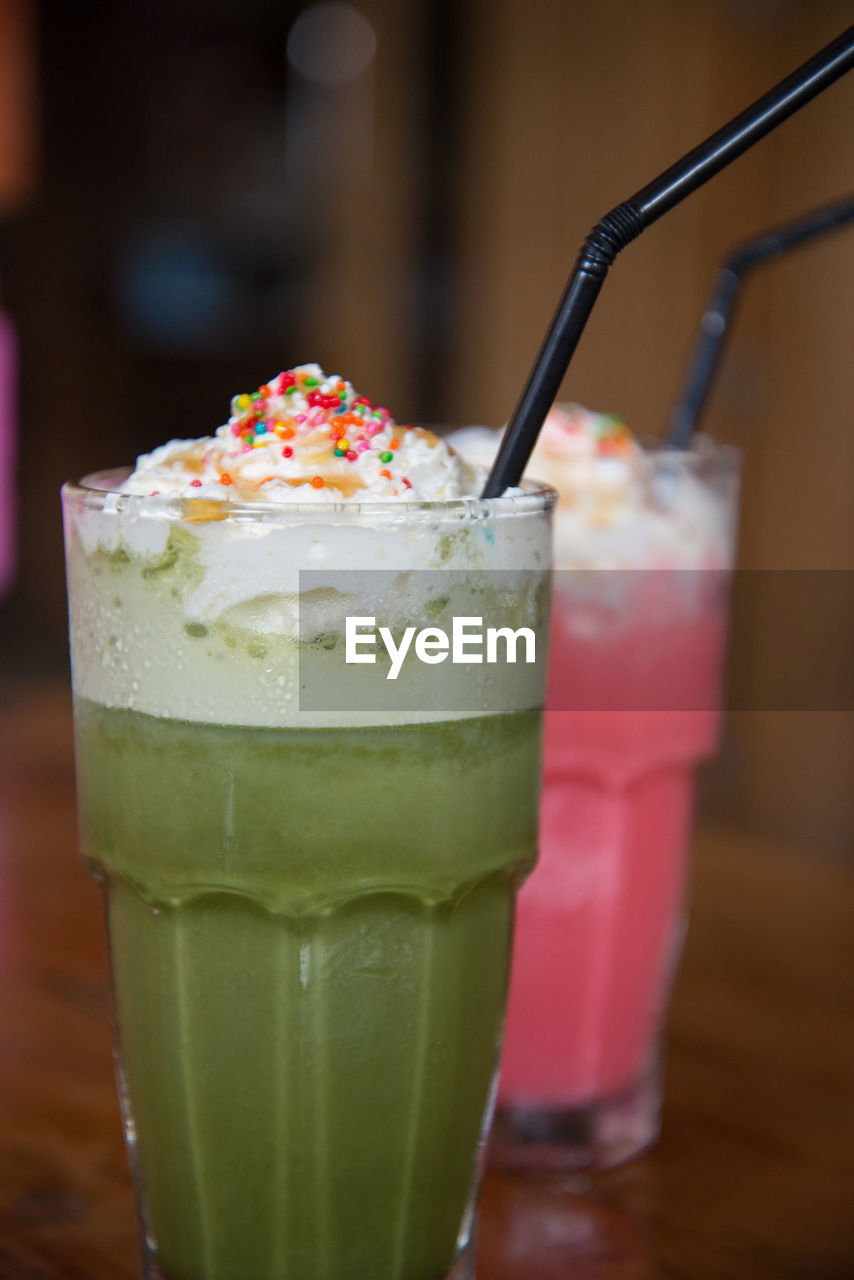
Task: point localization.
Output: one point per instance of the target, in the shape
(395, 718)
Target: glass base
(598, 1135)
(462, 1269)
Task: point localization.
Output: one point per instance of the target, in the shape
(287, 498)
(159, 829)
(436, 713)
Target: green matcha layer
(310, 935)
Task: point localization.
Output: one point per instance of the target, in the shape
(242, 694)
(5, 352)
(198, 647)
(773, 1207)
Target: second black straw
(626, 222)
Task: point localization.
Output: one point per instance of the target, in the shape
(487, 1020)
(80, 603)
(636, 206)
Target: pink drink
(645, 542)
(600, 922)
(635, 678)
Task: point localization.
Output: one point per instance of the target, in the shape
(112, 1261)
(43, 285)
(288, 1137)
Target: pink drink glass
(635, 681)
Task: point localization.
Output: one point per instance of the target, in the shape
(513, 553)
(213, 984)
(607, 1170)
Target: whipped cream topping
(583, 455)
(621, 505)
(308, 437)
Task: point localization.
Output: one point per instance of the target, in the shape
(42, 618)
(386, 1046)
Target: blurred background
(195, 194)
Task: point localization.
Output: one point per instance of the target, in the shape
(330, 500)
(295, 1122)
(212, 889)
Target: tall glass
(309, 912)
(634, 690)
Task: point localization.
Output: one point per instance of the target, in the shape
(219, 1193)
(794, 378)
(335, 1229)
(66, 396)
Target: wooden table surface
(754, 1176)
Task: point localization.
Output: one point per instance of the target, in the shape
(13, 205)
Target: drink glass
(634, 689)
(309, 913)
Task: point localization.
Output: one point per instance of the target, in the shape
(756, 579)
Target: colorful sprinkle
(408, 483)
(326, 412)
(615, 445)
(196, 484)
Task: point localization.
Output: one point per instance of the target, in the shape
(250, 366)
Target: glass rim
(94, 490)
(701, 449)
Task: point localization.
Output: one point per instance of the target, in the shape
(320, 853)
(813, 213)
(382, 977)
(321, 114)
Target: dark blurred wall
(227, 188)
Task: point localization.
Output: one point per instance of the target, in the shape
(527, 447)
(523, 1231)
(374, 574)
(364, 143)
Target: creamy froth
(620, 505)
(308, 437)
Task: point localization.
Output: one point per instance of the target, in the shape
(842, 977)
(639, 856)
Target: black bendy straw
(625, 223)
(708, 349)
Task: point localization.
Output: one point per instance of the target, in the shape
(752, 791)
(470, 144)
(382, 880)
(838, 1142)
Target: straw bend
(736, 266)
(611, 234)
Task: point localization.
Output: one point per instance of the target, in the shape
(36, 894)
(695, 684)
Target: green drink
(309, 913)
(310, 1040)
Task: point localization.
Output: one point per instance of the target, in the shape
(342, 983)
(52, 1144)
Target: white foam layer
(198, 617)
